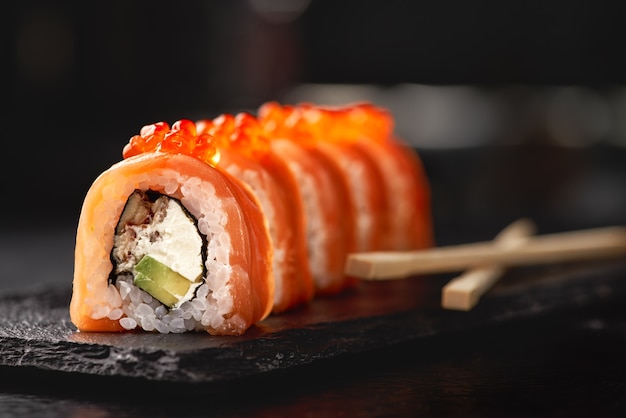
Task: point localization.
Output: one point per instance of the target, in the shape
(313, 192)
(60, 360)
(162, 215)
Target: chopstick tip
(356, 267)
(458, 300)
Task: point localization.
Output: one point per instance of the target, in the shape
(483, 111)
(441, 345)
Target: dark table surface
(565, 361)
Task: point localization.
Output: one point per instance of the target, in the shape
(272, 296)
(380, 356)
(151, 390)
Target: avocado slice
(161, 282)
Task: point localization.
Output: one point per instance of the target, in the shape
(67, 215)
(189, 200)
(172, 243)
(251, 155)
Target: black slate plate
(35, 330)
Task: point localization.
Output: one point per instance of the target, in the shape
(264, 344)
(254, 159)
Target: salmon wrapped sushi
(406, 187)
(332, 133)
(386, 180)
(325, 193)
(245, 154)
(168, 243)
(214, 225)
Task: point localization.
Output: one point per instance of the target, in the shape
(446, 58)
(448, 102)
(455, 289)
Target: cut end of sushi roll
(157, 241)
(244, 152)
(163, 245)
(212, 225)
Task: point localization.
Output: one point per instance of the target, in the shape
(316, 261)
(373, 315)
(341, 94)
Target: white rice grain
(146, 297)
(125, 289)
(144, 310)
(161, 327)
(113, 297)
(128, 323)
(100, 311)
(135, 295)
(160, 311)
(115, 314)
(177, 325)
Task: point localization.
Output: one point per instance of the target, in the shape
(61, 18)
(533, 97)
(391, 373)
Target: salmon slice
(386, 177)
(341, 187)
(407, 191)
(409, 219)
(298, 286)
(328, 211)
(270, 179)
(366, 191)
(333, 133)
(237, 287)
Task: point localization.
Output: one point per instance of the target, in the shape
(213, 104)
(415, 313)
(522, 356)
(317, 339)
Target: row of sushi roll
(215, 224)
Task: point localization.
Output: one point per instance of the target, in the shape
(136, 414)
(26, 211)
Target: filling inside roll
(158, 245)
(158, 261)
(170, 260)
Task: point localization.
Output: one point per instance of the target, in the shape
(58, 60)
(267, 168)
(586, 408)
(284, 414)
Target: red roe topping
(374, 122)
(241, 132)
(279, 121)
(306, 122)
(181, 138)
(303, 123)
(148, 139)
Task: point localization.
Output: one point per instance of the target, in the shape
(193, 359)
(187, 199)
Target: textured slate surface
(35, 330)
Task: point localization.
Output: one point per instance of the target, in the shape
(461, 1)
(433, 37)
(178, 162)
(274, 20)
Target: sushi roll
(213, 225)
(324, 191)
(386, 181)
(245, 154)
(333, 135)
(406, 187)
(168, 243)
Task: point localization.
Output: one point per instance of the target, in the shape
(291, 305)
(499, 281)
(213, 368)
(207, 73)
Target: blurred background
(513, 98)
(517, 109)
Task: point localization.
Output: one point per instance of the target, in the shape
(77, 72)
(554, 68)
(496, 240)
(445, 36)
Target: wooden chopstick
(595, 243)
(464, 291)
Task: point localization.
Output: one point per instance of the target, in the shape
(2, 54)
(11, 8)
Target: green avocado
(160, 281)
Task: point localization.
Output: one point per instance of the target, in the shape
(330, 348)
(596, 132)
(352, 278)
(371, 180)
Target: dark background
(517, 108)
(80, 78)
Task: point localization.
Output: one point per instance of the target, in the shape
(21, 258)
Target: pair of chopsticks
(484, 263)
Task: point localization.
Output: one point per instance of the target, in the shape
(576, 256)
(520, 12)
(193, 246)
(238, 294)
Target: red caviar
(375, 122)
(306, 122)
(292, 122)
(181, 138)
(241, 132)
